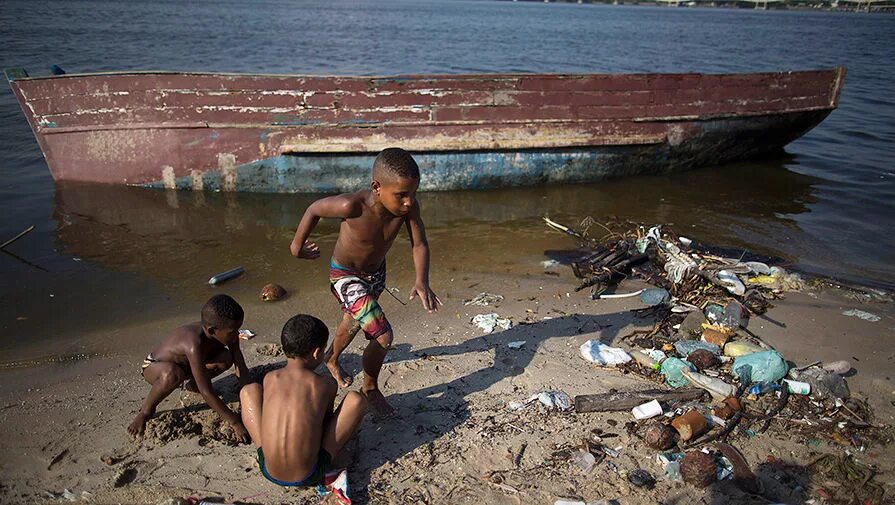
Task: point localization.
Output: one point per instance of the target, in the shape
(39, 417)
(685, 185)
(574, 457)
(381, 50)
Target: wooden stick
(20, 235)
(613, 402)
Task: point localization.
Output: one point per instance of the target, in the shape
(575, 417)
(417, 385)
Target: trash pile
(700, 343)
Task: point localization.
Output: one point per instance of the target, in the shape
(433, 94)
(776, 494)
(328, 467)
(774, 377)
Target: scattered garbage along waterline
(700, 343)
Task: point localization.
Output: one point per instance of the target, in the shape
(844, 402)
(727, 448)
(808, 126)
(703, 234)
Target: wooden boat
(279, 133)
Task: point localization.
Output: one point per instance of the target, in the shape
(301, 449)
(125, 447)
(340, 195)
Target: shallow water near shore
(102, 257)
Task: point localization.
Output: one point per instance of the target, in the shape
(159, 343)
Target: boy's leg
(251, 398)
(343, 423)
(374, 355)
(164, 377)
(345, 333)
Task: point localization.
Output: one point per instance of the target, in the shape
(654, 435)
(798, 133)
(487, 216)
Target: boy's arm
(339, 206)
(203, 383)
(239, 365)
(420, 247)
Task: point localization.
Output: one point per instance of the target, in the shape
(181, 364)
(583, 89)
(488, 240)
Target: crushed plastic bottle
(734, 314)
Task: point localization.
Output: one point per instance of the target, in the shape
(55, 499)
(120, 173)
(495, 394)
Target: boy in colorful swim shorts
(371, 219)
(191, 356)
(291, 417)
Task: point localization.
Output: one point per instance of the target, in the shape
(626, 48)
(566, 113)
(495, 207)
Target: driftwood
(611, 402)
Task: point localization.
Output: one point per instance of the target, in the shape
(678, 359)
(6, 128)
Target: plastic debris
(549, 264)
(226, 276)
(716, 387)
(840, 367)
(483, 299)
(714, 313)
(685, 347)
(758, 267)
(551, 399)
(734, 315)
(516, 345)
(246, 334)
(488, 322)
(765, 366)
(584, 460)
(647, 410)
(671, 462)
(824, 384)
(860, 314)
(671, 368)
(602, 354)
(740, 348)
(336, 482)
(797, 387)
(655, 296)
(730, 281)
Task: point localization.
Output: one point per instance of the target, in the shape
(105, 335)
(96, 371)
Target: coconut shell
(698, 469)
(703, 359)
(660, 436)
(272, 292)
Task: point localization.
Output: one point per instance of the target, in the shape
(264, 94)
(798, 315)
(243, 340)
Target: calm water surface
(106, 256)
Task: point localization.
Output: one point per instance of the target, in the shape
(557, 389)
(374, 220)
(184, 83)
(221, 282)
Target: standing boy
(291, 418)
(371, 219)
(196, 353)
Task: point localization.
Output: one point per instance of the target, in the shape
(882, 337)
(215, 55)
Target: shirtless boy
(371, 219)
(196, 353)
(291, 418)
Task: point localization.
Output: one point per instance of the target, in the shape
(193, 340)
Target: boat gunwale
(840, 69)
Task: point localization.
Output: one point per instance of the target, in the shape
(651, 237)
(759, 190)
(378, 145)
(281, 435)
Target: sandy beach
(456, 441)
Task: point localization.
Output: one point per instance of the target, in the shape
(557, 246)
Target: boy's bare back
(185, 341)
(296, 404)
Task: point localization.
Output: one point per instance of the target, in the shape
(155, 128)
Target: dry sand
(64, 423)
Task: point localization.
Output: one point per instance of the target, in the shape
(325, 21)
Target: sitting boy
(192, 355)
(291, 418)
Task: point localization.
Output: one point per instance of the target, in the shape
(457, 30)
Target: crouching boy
(291, 418)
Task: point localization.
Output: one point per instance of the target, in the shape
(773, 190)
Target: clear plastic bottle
(734, 313)
(717, 387)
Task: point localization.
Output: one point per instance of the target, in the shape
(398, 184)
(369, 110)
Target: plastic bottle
(734, 313)
(716, 387)
(643, 359)
(841, 367)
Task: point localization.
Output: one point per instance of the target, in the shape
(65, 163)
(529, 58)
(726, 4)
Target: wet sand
(64, 423)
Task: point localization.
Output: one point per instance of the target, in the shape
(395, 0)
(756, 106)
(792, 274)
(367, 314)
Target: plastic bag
(601, 354)
(671, 369)
(765, 366)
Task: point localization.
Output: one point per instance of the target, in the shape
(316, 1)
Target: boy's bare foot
(380, 406)
(340, 375)
(137, 426)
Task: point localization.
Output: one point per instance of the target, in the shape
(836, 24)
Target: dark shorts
(358, 294)
(324, 460)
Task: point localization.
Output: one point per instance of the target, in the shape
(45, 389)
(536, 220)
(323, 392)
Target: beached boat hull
(320, 134)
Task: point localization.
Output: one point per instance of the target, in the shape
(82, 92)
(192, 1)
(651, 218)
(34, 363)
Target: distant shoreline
(864, 6)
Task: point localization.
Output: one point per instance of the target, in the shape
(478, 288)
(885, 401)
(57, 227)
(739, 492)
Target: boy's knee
(250, 392)
(355, 401)
(385, 340)
(170, 378)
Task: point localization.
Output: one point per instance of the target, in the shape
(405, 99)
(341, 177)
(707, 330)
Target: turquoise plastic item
(671, 369)
(764, 366)
(686, 347)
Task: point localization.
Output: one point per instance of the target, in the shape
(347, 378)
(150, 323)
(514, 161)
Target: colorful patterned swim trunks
(358, 293)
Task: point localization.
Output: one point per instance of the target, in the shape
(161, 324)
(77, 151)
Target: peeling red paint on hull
(167, 128)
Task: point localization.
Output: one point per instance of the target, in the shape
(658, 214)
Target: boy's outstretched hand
(241, 434)
(309, 251)
(428, 297)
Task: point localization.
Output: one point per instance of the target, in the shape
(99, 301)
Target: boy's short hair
(395, 161)
(302, 334)
(220, 310)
